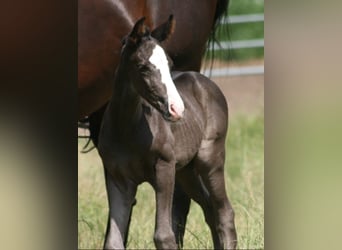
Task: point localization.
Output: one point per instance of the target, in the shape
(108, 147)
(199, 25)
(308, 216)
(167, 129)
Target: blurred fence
(244, 44)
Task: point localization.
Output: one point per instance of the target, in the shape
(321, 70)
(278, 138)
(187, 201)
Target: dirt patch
(245, 94)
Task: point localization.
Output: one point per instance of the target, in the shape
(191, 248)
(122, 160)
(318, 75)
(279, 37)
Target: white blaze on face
(159, 60)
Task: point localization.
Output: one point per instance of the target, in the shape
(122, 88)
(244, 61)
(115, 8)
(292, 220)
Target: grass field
(245, 186)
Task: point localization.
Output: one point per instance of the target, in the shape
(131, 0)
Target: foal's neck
(125, 106)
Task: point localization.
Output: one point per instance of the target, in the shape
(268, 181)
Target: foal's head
(149, 67)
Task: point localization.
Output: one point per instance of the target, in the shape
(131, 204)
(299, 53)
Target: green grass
(245, 187)
(239, 7)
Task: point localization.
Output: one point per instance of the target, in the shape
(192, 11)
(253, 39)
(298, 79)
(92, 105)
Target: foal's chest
(128, 162)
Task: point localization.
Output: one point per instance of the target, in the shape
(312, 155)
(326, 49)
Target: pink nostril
(172, 109)
(174, 112)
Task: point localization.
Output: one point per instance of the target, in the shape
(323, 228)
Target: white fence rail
(255, 43)
(234, 71)
(244, 19)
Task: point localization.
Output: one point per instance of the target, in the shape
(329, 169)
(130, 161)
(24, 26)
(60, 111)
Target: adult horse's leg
(210, 164)
(163, 184)
(121, 195)
(180, 210)
(193, 186)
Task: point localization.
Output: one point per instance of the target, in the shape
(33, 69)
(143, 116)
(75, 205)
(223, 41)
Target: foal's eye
(144, 67)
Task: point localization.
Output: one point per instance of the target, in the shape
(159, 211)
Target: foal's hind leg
(210, 164)
(193, 186)
(180, 210)
(121, 195)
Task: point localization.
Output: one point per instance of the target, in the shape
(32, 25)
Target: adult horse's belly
(93, 94)
(100, 28)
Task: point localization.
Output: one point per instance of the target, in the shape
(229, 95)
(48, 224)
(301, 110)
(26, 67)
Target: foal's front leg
(121, 194)
(164, 183)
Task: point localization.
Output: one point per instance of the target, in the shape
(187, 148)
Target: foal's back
(205, 118)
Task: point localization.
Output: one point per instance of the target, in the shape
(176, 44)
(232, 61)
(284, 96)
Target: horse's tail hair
(84, 124)
(221, 12)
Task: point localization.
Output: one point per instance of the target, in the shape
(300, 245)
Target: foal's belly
(184, 158)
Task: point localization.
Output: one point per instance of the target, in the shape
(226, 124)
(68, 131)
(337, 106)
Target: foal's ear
(139, 30)
(165, 30)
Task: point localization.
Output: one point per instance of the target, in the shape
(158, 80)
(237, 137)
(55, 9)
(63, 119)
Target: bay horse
(159, 127)
(101, 26)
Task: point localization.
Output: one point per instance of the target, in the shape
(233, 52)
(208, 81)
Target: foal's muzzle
(169, 111)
